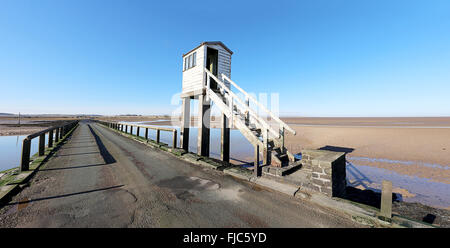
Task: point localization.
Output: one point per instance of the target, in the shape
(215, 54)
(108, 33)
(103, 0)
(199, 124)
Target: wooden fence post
(41, 144)
(157, 136)
(386, 199)
(50, 138)
(174, 139)
(137, 131)
(26, 147)
(146, 133)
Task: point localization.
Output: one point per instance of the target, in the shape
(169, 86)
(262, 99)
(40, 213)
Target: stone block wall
(328, 172)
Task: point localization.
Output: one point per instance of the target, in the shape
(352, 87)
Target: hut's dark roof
(211, 43)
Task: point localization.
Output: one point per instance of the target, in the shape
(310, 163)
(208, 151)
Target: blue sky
(323, 58)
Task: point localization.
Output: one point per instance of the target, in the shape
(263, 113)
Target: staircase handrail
(273, 116)
(251, 111)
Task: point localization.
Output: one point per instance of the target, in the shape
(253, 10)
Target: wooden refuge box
(212, 55)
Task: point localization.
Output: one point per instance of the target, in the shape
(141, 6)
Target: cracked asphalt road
(102, 179)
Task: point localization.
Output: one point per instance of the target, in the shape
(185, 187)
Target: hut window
(190, 61)
(194, 58)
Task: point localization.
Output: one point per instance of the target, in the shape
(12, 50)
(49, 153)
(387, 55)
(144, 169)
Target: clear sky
(323, 58)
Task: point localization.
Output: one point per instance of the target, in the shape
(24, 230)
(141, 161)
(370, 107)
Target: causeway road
(100, 178)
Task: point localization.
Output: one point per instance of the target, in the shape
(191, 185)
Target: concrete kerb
(361, 214)
(13, 186)
(6, 192)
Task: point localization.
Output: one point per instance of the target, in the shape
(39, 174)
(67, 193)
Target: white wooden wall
(193, 79)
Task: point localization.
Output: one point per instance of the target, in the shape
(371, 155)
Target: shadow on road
(65, 195)
(76, 154)
(109, 159)
(73, 167)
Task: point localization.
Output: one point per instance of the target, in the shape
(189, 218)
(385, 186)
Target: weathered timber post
(386, 200)
(137, 131)
(247, 113)
(41, 144)
(56, 134)
(157, 135)
(25, 162)
(225, 139)
(256, 162)
(174, 138)
(146, 133)
(185, 123)
(126, 128)
(203, 126)
(61, 132)
(50, 138)
(131, 130)
(282, 139)
(265, 150)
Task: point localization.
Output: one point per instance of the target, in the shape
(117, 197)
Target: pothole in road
(186, 188)
(189, 183)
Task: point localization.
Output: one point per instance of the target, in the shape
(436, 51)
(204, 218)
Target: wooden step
(279, 160)
(255, 129)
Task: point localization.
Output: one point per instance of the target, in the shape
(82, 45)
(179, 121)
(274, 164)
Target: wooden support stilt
(265, 149)
(158, 132)
(203, 126)
(57, 135)
(185, 123)
(256, 162)
(247, 115)
(225, 139)
(137, 131)
(146, 133)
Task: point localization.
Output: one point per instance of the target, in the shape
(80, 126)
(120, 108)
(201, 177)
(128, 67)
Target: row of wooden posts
(124, 128)
(55, 133)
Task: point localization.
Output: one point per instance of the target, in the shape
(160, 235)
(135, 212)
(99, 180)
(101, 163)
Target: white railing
(248, 96)
(232, 97)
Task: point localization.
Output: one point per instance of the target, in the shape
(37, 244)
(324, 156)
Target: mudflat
(28, 125)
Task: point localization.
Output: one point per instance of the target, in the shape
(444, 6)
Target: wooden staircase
(256, 129)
